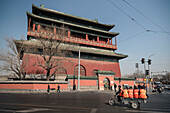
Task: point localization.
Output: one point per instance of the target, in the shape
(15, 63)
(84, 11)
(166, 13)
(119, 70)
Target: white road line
(139, 111)
(31, 110)
(93, 111)
(7, 110)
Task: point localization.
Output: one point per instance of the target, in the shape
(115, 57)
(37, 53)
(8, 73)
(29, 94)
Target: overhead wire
(163, 30)
(146, 30)
(132, 36)
(128, 15)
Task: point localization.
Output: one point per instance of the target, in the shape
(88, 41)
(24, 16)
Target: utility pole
(149, 63)
(143, 62)
(137, 69)
(78, 87)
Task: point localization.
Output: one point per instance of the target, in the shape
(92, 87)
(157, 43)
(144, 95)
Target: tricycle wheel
(135, 105)
(111, 101)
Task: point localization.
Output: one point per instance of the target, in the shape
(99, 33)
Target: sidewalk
(51, 91)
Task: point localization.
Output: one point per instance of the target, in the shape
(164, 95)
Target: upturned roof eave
(66, 23)
(72, 16)
(74, 48)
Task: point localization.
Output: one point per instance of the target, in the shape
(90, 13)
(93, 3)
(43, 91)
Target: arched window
(94, 73)
(61, 71)
(106, 83)
(82, 71)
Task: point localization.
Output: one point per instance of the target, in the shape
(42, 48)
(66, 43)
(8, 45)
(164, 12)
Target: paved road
(77, 102)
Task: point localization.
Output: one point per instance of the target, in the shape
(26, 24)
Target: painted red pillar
(33, 27)
(87, 37)
(54, 31)
(69, 34)
(108, 41)
(115, 41)
(97, 39)
(39, 28)
(29, 24)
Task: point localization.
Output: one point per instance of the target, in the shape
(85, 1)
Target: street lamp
(149, 63)
(147, 72)
(78, 86)
(143, 62)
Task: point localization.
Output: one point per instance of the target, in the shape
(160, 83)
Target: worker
(130, 92)
(125, 93)
(119, 93)
(135, 92)
(142, 93)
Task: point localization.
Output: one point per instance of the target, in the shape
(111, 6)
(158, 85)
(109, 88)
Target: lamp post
(149, 63)
(143, 62)
(78, 87)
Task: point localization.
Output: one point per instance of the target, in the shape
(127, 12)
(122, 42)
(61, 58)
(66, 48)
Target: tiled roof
(74, 48)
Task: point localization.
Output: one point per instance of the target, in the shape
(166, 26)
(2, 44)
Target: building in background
(99, 63)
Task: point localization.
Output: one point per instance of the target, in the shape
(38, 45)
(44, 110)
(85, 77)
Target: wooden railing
(37, 33)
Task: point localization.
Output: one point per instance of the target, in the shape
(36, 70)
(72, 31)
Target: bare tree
(11, 58)
(52, 45)
(137, 74)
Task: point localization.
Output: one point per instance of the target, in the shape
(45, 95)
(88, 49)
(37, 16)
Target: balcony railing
(72, 39)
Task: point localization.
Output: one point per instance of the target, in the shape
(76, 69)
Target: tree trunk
(48, 75)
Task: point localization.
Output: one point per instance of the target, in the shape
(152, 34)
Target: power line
(132, 36)
(146, 30)
(158, 31)
(146, 17)
(128, 15)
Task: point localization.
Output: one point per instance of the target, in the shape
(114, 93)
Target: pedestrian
(74, 87)
(58, 88)
(115, 86)
(48, 89)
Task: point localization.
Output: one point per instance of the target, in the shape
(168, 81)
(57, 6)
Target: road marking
(31, 110)
(93, 111)
(47, 106)
(7, 110)
(139, 111)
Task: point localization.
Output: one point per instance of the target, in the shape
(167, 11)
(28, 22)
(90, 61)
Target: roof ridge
(52, 10)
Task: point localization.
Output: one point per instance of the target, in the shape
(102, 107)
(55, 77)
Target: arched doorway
(82, 71)
(106, 83)
(61, 71)
(94, 73)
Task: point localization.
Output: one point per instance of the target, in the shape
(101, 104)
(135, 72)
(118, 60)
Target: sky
(132, 19)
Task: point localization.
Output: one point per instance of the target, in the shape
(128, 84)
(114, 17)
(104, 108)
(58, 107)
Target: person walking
(58, 88)
(115, 86)
(48, 89)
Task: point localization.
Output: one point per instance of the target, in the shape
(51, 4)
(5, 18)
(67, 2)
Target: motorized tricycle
(133, 102)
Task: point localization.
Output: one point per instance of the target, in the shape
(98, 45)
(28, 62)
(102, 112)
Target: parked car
(167, 87)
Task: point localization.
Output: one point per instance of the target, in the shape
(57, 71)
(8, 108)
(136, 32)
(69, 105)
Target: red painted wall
(32, 86)
(130, 83)
(84, 82)
(69, 64)
(101, 78)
